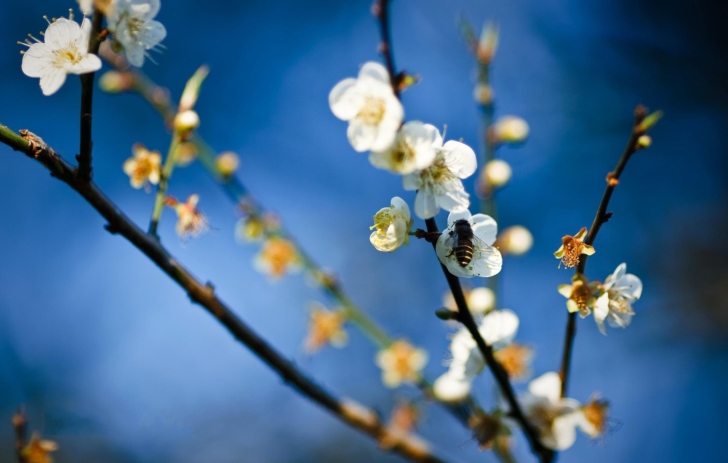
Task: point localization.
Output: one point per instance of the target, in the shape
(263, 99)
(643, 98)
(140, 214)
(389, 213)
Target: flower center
(572, 250)
(66, 56)
(402, 353)
(595, 413)
(279, 254)
(581, 293)
(372, 112)
(514, 359)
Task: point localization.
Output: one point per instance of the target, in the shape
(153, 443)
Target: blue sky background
(114, 363)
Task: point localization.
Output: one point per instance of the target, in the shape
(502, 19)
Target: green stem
(169, 164)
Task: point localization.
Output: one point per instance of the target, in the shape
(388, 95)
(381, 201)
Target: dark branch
(20, 425)
(601, 217)
(355, 415)
(87, 93)
(499, 373)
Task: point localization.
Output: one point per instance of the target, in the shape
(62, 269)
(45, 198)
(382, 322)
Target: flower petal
(449, 388)
(499, 328)
(372, 70)
(410, 182)
(345, 100)
(361, 136)
(425, 204)
(153, 33)
(37, 60)
(547, 386)
(89, 63)
(458, 215)
(485, 228)
(460, 158)
(61, 33)
(52, 80)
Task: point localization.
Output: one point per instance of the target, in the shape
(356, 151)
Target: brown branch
(380, 9)
(20, 425)
(87, 93)
(357, 416)
(601, 217)
(464, 316)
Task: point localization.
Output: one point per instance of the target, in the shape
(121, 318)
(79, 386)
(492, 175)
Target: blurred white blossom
(371, 107)
(134, 28)
(555, 418)
(414, 149)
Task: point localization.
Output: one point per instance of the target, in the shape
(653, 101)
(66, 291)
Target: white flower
(371, 107)
(498, 329)
(450, 387)
(486, 260)
(440, 185)
(615, 305)
(414, 149)
(555, 418)
(392, 226)
(64, 51)
(134, 28)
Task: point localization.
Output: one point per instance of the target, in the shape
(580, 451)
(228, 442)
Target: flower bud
(483, 94)
(192, 89)
(186, 121)
(488, 43)
(509, 129)
(227, 163)
(481, 300)
(515, 240)
(643, 142)
(115, 82)
(496, 173)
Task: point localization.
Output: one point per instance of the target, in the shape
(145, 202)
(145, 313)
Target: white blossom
(63, 51)
(486, 261)
(440, 185)
(371, 107)
(392, 226)
(132, 23)
(498, 329)
(615, 304)
(555, 418)
(451, 388)
(414, 149)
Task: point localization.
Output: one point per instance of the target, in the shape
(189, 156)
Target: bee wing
(451, 240)
(481, 250)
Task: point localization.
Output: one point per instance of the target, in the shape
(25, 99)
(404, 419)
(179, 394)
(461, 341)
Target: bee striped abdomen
(463, 244)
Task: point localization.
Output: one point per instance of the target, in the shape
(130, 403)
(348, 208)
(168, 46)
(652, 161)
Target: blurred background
(113, 362)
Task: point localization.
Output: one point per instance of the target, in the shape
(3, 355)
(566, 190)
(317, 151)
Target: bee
(465, 245)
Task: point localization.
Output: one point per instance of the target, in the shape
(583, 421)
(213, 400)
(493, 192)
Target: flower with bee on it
(465, 247)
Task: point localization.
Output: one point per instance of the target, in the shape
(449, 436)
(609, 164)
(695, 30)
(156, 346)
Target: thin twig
(238, 193)
(20, 425)
(357, 416)
(380, 9)
(169, 164)
(87, 93)
(465, 317)
(600, 219)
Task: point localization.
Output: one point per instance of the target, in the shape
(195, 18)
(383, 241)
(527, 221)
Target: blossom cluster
(428, 165)
(65, 46)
